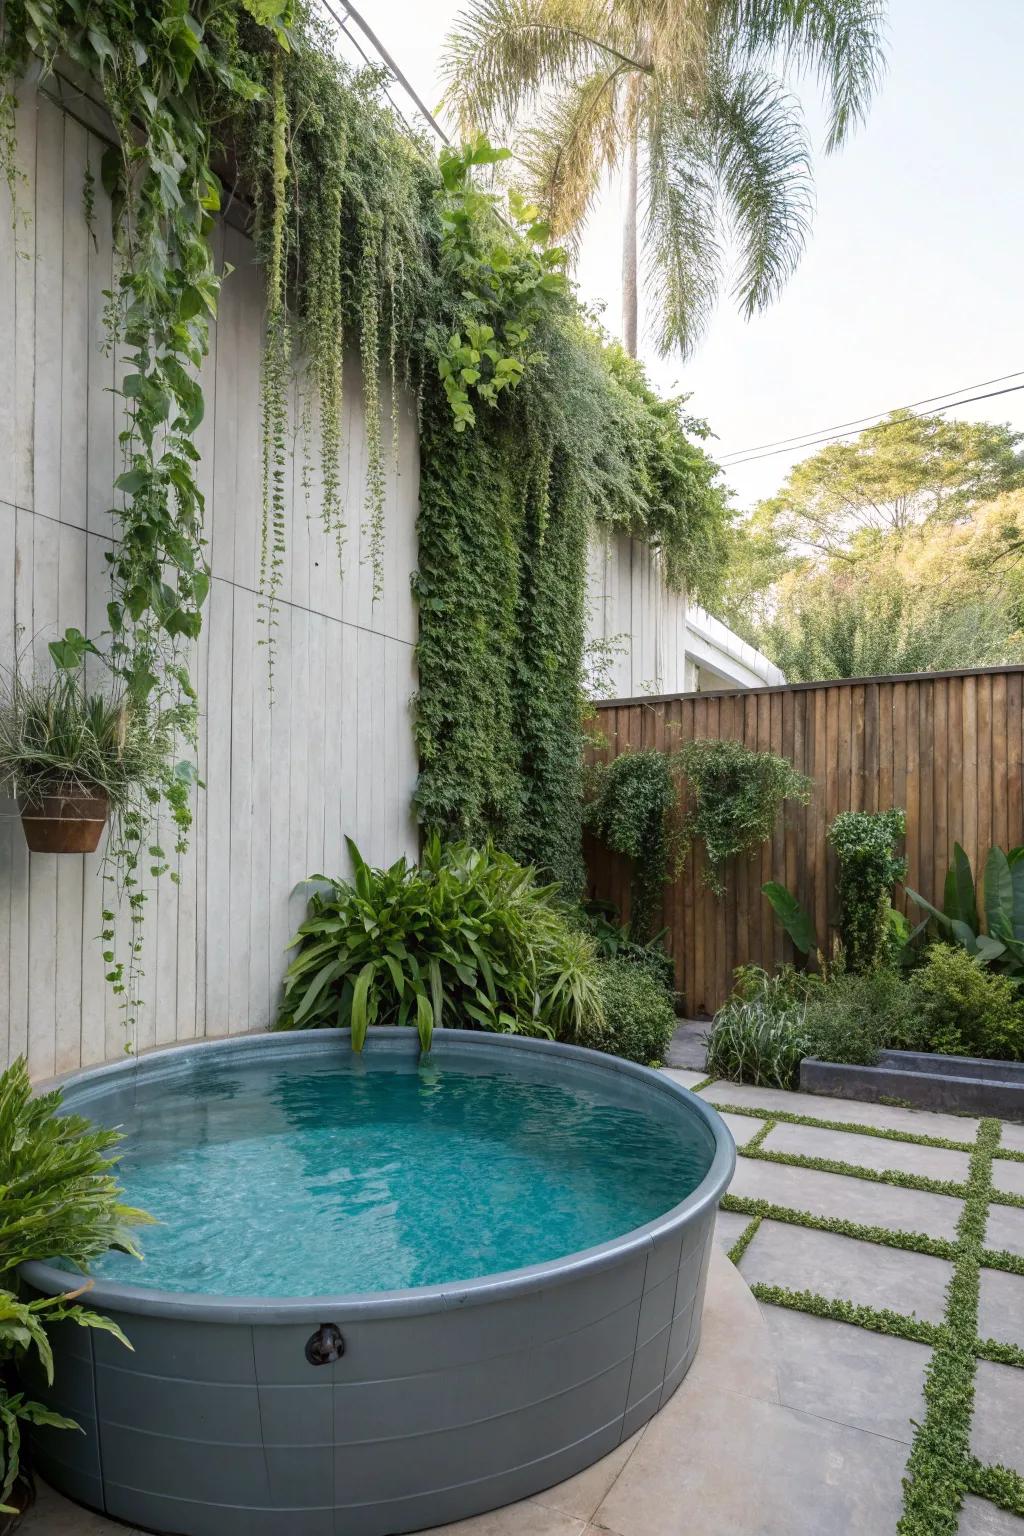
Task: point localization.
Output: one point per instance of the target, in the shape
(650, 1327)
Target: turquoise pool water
(302, 1178)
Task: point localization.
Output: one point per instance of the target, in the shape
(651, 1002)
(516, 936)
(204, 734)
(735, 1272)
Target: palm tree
(688, 98)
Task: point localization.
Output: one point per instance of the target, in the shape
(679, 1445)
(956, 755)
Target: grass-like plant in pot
(67, 754)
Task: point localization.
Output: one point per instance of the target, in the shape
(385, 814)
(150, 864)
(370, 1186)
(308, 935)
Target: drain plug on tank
(326, 1345)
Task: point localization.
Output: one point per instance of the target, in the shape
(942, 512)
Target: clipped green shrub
(964, 1009)
(613, 942)
(859, 1013)
(868, 869)
(465, 939)
(638, 1017)
(760, 1035)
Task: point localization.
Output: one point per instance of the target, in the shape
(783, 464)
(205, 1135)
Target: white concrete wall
(659, 641)
(334, 755)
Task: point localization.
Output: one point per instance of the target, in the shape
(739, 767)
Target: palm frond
(764, 169)
(502, 54)
(840, 41)
(681, 245)
(577, 138)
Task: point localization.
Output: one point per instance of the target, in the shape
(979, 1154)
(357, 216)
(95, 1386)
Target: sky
(912, 285)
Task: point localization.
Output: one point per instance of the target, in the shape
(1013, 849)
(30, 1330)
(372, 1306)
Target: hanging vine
(274, 377)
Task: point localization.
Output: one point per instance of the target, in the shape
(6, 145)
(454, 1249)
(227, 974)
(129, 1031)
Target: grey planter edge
(956, 1085)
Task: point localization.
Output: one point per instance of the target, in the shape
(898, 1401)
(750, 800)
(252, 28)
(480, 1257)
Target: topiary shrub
(760, 1036)
(965, 1010)
(868, 869)
(857, 1014)
(638, 1017)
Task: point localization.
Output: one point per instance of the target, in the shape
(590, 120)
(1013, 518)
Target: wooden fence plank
(947, 748)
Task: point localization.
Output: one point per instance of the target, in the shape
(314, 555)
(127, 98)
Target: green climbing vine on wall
(533, 427)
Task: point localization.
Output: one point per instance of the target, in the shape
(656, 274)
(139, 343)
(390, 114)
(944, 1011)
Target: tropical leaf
(794, 917)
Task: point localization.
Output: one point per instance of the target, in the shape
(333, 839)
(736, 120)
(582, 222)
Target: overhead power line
(834, 437)
(795, 440)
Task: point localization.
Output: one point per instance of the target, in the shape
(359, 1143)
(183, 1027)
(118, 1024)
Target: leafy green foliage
(760, 1035)
(868, 869)
(631, 809)
(965, 1010)
(638, 1017)
(736, 796)
(859, 1013)
(466, 939)
(59, 1197)
(612, 942)
(1000, 941)
(888, 554)
(793, 916)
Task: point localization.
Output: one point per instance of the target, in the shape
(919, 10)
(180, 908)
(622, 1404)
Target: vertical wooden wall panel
(947, 748)
(334, 754)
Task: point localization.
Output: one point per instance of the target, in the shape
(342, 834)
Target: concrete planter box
(962, 1084)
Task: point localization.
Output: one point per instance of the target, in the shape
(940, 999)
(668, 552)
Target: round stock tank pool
(386, 1290)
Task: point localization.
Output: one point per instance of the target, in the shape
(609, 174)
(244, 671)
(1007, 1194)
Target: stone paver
(52, 1515)
(1005, 1228)
(1012, 1137)
(1001, 1307)
(718, 1464)
(728, 1227)
(918, 1122)
(1008, 1176)
(831, 1194)
(689, 1079)
(687, 1048)
(843, 1269)
(742, 1127)
(980, 1518)
(578, 1497)
(870, 1152)
(998, 1415)
(840, 1372)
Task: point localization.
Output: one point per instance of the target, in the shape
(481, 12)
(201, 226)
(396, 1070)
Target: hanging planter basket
(65, 822)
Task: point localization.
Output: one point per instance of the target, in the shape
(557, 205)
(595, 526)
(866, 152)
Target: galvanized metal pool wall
(447, 1400)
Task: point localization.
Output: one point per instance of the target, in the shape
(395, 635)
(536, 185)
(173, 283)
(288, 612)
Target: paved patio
(792, 1423)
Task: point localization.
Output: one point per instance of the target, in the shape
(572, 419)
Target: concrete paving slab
(742, 1127)
(738, 1464)
(980, 1518)
(1005, 1228)
(844, 1269)
(1001, 1307)
(736, 1353)
(525, 1519)
(918, 1122)
(871, 1152)
(1009, 1177)
(52, 1515)
(687, 1048)
(689, 1079)
(998, 1415)
(1013, 1136)
(834, 1194)
(728, 1227)
(836, 1371)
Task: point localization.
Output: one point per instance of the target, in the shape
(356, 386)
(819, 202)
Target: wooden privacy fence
(946, 747)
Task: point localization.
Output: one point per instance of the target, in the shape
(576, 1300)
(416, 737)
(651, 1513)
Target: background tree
(895, 558)
(690, 100)
(903, 472)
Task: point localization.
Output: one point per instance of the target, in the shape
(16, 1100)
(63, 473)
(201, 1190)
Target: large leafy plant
(59, 1197)
(995, 935)
(466, 938)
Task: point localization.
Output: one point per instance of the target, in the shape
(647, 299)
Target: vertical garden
(534, 429)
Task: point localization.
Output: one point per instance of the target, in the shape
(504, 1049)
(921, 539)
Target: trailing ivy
(736, 795)
(632, 808)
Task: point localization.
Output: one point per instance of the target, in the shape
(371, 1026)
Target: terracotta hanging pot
(65, 822)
